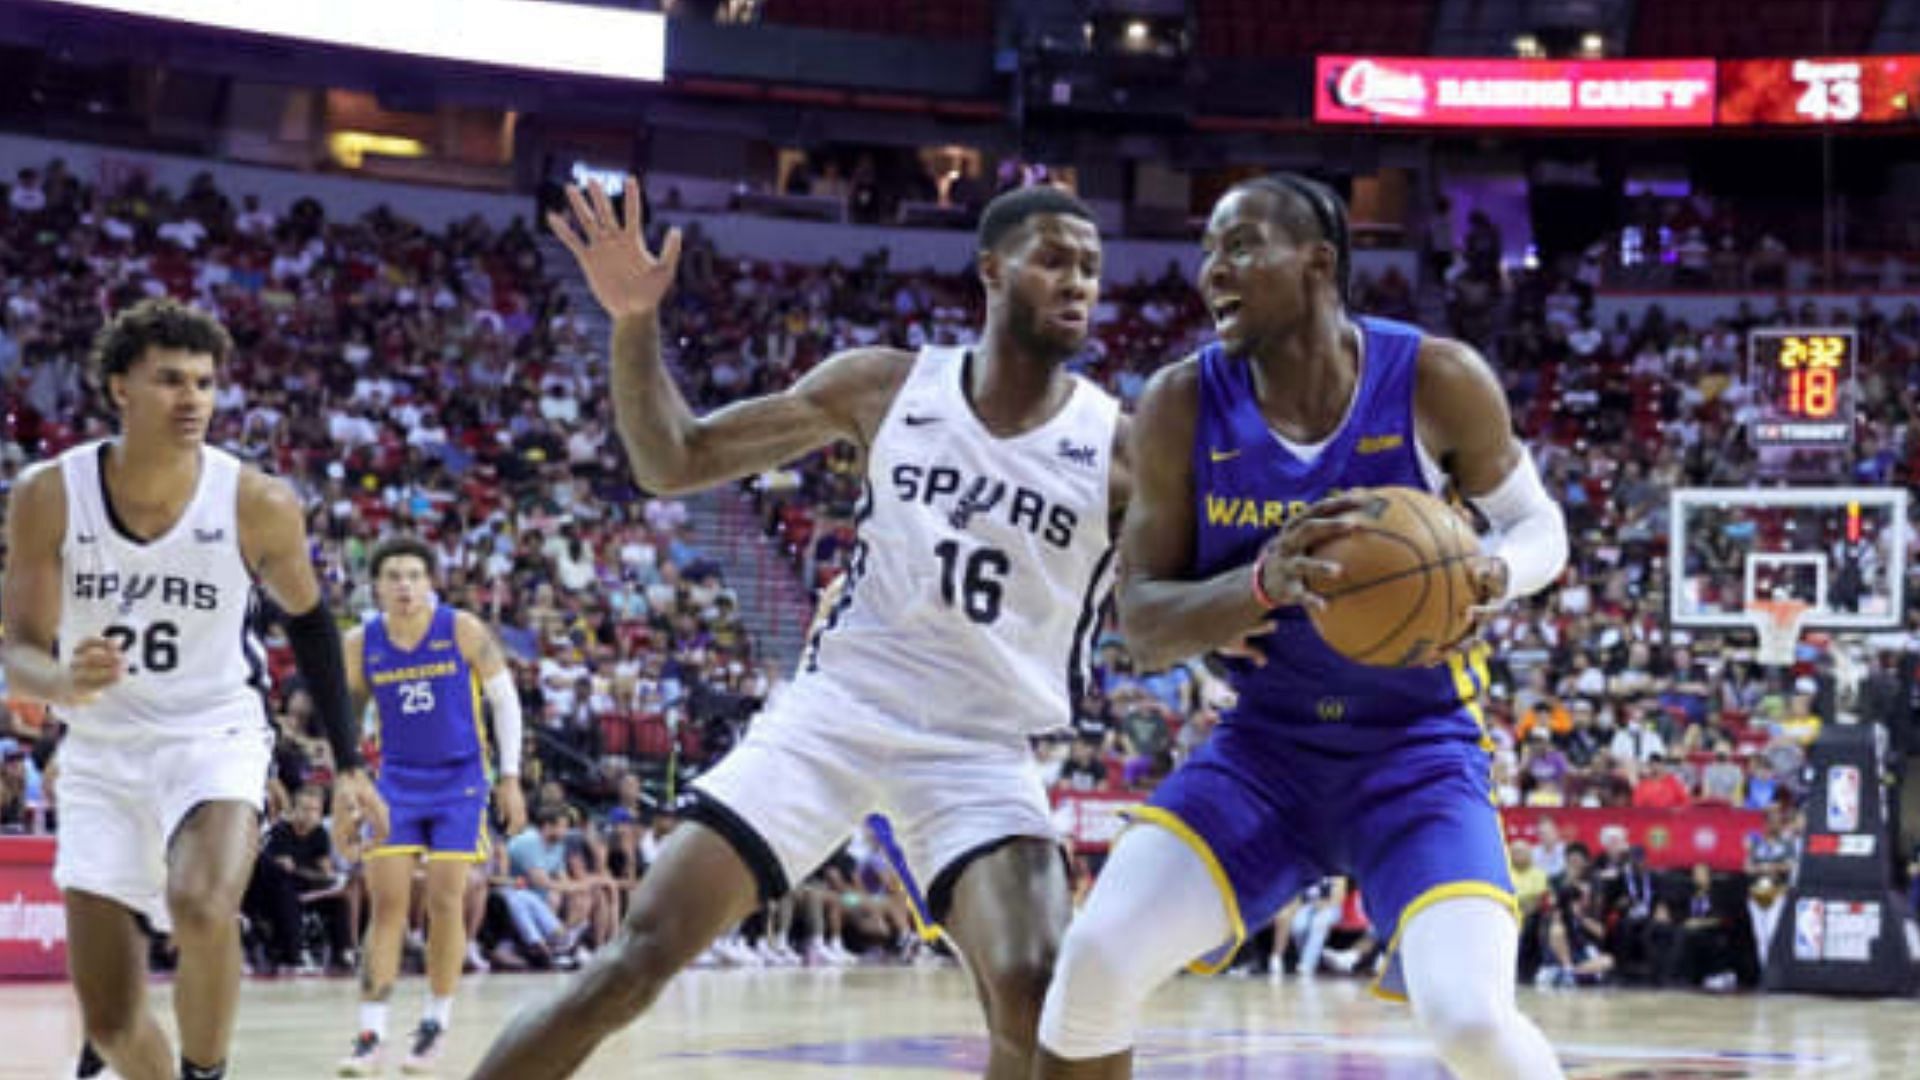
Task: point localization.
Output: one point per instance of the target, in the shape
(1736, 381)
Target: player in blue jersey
(425, 666)
(1323, 766)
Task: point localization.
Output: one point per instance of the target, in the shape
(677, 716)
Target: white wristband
(505, 700)
(1529, 532)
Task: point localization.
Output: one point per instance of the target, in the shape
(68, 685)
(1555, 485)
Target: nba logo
(1843, 798)
(1809, 929)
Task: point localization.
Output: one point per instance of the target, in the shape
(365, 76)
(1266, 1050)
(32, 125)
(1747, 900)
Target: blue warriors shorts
(1413, 823)
(446, 821)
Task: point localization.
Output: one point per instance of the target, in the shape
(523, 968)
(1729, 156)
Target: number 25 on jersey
(416, 697)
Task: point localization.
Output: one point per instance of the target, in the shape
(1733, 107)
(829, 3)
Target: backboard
(1841, 550)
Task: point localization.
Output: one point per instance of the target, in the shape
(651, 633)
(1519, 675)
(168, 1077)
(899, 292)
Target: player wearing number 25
(425, 666)
(984, 546)
(129, 582)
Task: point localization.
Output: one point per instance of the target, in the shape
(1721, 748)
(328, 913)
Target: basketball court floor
(922, 1023)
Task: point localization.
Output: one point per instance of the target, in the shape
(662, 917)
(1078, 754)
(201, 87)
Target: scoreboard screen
(1820, 90)
(1802, 379)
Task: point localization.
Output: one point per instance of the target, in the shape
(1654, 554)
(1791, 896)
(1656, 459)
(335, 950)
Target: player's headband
(1332, 218)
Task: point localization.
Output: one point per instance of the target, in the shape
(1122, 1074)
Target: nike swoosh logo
(916, 421)
(1218, 456)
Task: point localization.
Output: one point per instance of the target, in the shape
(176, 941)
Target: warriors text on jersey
(177, 606)
(981, 561)
(1247, 484)
(428, 699)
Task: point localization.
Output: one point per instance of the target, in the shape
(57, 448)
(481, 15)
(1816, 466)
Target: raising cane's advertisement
(1412, 92)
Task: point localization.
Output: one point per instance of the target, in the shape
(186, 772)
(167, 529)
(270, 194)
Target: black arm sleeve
(316, 650)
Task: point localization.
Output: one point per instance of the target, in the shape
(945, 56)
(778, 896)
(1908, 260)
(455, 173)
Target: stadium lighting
(1137, 33)
(568, 38)
(1592, 45)
(350, 148)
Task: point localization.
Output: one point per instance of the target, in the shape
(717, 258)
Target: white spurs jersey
(980, 565)
(177, 606)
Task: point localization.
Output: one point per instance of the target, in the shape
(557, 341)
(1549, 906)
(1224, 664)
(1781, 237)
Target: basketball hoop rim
(1777, 624)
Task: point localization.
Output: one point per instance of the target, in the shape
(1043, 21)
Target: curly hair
(167, 324)
(394, 547)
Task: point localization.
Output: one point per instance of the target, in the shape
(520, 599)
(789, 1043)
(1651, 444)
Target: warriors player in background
(425, 665)
(129, 582)
(1323, 766)
(984, 540)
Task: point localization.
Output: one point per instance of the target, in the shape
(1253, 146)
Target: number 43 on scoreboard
(1803, 385)
(1832, 89)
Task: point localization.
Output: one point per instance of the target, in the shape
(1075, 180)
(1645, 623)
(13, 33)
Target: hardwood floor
(923, 1023)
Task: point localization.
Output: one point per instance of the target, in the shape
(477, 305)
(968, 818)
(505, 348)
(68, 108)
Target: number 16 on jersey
(972, 581)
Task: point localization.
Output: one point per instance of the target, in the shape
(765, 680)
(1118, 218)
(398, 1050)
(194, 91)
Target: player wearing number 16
(992, 476)
(129, 582)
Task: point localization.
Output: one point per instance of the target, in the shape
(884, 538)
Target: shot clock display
(1803, 385)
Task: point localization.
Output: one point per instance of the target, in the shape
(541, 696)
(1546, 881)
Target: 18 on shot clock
(1803, 385)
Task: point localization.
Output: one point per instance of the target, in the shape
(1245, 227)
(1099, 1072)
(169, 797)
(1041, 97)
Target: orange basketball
(1406, 590)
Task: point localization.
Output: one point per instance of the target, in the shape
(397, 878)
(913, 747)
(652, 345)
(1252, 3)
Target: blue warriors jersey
(1247, 484)
(428, 699)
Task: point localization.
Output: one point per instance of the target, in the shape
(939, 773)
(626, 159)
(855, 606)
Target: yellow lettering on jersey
(1237, 513)
(1379, 444)
(1220, 511)
(415, 674)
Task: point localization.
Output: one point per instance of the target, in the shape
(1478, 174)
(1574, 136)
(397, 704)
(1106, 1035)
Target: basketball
(1406, 591)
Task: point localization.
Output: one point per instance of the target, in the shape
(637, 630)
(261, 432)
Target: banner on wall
(1674, 839)
(1090, 820)
(33, 921)
(1836, 91)
(1417, 92)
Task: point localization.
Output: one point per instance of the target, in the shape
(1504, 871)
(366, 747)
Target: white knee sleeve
(1460, 957)
(1154, 909)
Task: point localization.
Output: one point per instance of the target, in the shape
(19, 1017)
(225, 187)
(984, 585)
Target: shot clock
(1803, 385)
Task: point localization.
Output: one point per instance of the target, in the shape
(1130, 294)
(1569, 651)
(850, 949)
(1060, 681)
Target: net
(1777, 622)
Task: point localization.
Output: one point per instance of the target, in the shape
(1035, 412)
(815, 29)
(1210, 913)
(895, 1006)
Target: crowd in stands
(404, 381)
(440, 384)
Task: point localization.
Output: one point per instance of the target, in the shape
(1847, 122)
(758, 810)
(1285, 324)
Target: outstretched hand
(612, 252)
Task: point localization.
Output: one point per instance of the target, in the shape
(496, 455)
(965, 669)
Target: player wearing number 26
(984, 547)
(129, 584)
